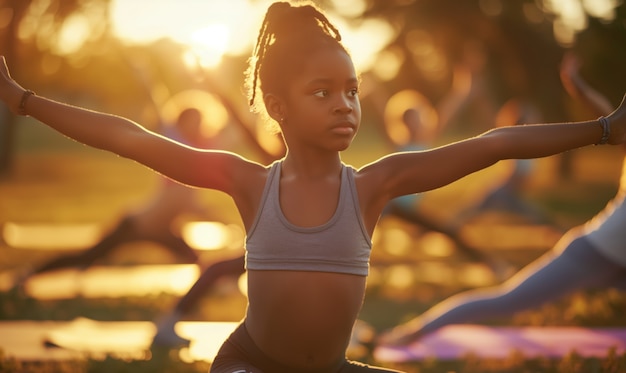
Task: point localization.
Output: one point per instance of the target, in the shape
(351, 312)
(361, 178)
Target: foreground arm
(205, 168)
(414, 172)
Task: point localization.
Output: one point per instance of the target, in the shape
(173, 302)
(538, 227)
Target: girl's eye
(354, 92)
(321, 93)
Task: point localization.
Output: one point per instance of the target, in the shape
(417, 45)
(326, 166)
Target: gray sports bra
(340, 245)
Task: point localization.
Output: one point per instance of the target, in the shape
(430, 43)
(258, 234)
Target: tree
(33, 40)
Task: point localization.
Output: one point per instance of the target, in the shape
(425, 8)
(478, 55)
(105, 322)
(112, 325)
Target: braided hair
(289, 34)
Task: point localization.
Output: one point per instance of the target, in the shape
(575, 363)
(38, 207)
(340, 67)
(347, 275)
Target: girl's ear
(275, 107)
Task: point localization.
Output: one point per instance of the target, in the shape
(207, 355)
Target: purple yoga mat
(456, 341)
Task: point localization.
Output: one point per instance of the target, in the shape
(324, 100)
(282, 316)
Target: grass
(71, 184)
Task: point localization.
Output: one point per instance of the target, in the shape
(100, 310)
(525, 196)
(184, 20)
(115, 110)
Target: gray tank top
(341, 245)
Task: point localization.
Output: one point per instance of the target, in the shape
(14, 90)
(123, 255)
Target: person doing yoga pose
(592, 255)
(309, 216)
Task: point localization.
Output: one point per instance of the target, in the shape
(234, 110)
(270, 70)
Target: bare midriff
(303, 319)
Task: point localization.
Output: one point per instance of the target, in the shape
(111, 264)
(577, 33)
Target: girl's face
(322, 103)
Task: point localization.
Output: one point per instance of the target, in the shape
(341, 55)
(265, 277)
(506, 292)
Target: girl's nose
(344, 105)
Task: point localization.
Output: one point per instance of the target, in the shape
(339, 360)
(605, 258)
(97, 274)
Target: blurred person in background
(413, 123)
(154, 220)
(507, 195)
(589, 256)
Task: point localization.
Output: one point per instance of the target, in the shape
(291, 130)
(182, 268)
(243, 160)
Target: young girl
(308, 217)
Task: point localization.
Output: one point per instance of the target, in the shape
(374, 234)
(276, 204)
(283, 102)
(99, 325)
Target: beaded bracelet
(22, 108)
(606, 130)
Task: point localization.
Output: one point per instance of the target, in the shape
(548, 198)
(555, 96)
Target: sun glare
(211, 235)
(210, 29)
(73, 35)
(209, 44)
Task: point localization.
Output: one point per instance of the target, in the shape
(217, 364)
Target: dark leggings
(239, 354)
(225, 268)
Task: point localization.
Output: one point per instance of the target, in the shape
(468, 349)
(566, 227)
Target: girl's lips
(343, 130)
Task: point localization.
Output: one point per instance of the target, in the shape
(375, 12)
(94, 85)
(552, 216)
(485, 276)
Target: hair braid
(259, 52)
(325, 23)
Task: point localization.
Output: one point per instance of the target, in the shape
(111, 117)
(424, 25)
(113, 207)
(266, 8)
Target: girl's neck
(311, 166)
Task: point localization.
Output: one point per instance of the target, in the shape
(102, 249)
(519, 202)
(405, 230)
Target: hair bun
(277, 7)
(288, 19)
(277, 12)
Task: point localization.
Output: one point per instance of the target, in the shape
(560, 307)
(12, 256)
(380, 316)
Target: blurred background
(145, 59)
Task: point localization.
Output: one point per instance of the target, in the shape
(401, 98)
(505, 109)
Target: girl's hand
(617, 120)
(10, 92)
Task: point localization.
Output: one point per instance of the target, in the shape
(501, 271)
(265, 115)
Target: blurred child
(412, 123)
(507, 195)
(153, 220)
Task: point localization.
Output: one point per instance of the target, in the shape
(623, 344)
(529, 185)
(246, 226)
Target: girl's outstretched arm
(415, 172)
(204, 168)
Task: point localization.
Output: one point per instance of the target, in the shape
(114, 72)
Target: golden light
(436, 273)
(50, 236)
(603, 9)
(74, 34)
(208, 46)
(113, 281)
(389, 63)
(396, 241)
(437, 244)
(571, 16)
(350, 8)
(400, 276)
(398, 104)
(202, 348)
(211, 235)
(366, 41)
(210, 29)
(426, 54)
(475, 275)
(214, 115)
(242, 284)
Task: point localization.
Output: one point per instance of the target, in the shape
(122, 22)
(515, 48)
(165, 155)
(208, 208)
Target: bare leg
(123, 232)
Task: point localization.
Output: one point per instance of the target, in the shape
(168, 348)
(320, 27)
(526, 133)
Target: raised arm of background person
(579, 89)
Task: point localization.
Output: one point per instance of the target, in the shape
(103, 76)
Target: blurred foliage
(513, 39)
(510, 45)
